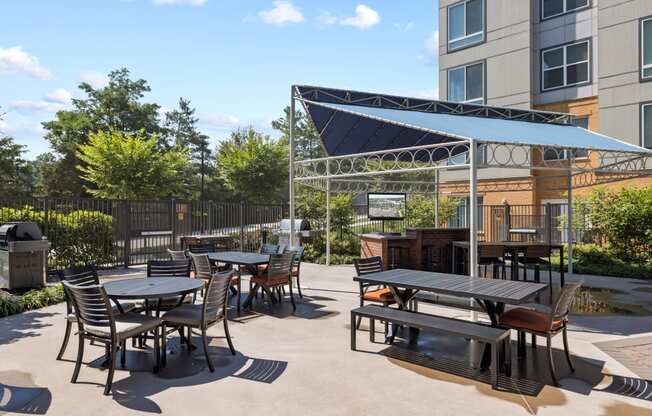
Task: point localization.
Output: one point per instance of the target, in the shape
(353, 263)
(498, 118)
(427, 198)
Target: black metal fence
(113, 233)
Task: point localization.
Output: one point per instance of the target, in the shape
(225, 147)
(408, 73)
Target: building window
(646, 125)
(465, 24)
(461, 217)
(466, 84)
(557, 154)
(646, 49)
(552, 8)
(565, 66)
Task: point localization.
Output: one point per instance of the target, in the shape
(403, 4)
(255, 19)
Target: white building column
(291, 172)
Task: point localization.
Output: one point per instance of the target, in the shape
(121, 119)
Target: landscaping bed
(17, 301)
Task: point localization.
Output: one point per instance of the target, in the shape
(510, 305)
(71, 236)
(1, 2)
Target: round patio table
(152, 287)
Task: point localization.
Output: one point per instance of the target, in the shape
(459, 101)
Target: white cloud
(365, 17)
(60, 95)
(94, 78)
(15, 60)
(284, 12)
(57, 100)
(431, 49)
(219, 120)
(179, 2)
(426, 94)
(327, 18)
(404, 27)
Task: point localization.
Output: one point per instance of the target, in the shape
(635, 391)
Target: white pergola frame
(354, 172)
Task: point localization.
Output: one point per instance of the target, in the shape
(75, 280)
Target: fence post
(508, 222)
(173, 222)
(241, 225)
(549, 222)
(126, 218)
(46, 217)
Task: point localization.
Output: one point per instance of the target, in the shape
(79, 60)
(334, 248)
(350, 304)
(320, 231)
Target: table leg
(454, 259)
(493, 310)
(561, 264)
(250, 297)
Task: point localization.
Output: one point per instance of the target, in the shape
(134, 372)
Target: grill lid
(299, 225)
(19, 231)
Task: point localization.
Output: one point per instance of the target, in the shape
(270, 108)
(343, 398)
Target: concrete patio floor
(301, 364)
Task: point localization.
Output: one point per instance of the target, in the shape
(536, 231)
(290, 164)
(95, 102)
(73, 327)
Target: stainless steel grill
(302, 231)
(23, 255)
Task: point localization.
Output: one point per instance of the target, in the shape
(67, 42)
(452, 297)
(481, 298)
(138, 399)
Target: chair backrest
(177, 255)
(368, 265)
(269, 249)
(92, 306)
(564, 303)
(280, 264)
(80, 275)
(215, 299)
(536, 251)
(490, 251)
(202, 264)
(163, 268)
(201, 248)
(298, 254)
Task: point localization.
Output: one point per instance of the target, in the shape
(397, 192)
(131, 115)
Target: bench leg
(353, 327)
(495, 365)
(372, 330)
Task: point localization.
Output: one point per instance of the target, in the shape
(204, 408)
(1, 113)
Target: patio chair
(168, 268)
(209, 313)
(547, 323)
(537, 255)
(82, 276)
(96, 321)
(277, 274)
(178, 255)
(372, 293)
(492, 255)
(201, 248)
(204, 270)
(296, 265)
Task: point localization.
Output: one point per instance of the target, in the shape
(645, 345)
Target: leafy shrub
(343, 249)
(76, 237)
(11, 304)
(603, 261)
(420, 210)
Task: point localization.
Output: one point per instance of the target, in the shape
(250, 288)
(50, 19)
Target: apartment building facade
(589, 58)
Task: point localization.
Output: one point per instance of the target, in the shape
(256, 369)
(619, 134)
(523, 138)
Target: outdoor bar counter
(418, 249)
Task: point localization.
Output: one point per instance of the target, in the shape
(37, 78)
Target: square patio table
(240, 258)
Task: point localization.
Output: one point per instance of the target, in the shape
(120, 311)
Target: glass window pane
(553, 78)
(577, 73)
(474, 81)
(647, 126)
(474, 17)
(582, 122)
(456, 84)
(553, 58)
(647, 73)
(577, 53)
(647, 42)
(552, 7)
(456, 22)
(551, 153)
(471, 40)
(575, 4)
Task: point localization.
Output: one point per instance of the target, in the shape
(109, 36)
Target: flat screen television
(386, 206)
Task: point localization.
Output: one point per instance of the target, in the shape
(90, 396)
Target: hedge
(76, 237)
(11, 304)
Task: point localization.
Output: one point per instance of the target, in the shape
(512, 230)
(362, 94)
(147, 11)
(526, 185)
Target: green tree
(306, 140)
(253, 167)
(130, 166)
(14, 170)
(421, 210)
(116, 106)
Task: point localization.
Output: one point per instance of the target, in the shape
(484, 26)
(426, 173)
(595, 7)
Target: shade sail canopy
(348, 129)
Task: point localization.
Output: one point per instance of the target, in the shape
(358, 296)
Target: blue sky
(234, 59)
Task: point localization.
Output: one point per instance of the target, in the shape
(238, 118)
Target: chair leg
(157, 350)
(80, 356)
(238, 299)
(299, 287)
(208, 357)
(567, 351)
(372, 330)
(551, 364)
(109, 377)
(294, 306)
(353, 329)
(66, 338)
(123, 353)
(228, 337)
(164, 345)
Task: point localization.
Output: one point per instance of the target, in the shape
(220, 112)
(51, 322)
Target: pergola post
(328, 215)
(570, 213)
(291, 158)
(437, 198)
(473, 216)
